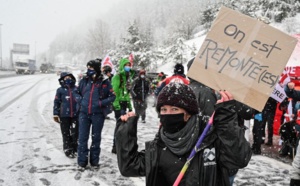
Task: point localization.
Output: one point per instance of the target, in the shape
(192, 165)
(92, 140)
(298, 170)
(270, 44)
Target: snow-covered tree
(139, 45)
(98, 39)
(277, 10)
(177, 53)
(209, 15)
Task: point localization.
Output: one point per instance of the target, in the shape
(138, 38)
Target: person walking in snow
(224, 147)
(122, 83)
(94, 96)
(155, 83)
(65, 113)
(139, 93)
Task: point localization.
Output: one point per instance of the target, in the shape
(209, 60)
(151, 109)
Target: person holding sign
(224, 147)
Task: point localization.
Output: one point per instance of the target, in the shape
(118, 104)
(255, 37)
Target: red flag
(288, 115)
(285, 78)
(131, 59)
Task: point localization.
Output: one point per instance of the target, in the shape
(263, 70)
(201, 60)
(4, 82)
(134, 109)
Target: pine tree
(138, 46)
(177, 53)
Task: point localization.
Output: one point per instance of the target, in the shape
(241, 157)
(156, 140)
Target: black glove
(117, 114)
(295, 182)
(123, 105)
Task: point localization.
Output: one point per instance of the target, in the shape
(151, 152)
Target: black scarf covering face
(172, 123)
(182, 141)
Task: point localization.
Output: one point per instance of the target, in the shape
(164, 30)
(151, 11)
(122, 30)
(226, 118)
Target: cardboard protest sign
(244, 56)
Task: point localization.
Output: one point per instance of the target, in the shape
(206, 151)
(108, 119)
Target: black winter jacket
(140, 89)
(64, 102)
(206, 97)
(223, 149)
(94, 96)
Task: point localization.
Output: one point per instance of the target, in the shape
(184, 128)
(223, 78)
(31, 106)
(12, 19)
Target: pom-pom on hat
(179, 69)
(179, 95)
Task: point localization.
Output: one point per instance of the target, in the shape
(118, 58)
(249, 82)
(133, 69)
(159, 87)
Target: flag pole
(194, 151)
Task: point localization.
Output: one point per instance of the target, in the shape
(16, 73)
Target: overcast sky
(37, 22)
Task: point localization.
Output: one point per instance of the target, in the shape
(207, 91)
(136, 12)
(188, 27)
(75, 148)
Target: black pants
(140, 108)
(69, 131)
(268, 117)
(257, 135)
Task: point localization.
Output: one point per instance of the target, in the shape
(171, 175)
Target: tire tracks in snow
(19, 96)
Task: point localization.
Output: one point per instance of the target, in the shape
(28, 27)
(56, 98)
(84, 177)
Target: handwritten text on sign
(242, 55)
(229, 58)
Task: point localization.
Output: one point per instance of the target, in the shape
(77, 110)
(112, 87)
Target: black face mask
(172, 122)
(69, 82)
(90, 72)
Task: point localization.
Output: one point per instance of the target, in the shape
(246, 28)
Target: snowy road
(31, 145)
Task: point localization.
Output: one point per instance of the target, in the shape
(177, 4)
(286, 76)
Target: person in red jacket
(177, 77)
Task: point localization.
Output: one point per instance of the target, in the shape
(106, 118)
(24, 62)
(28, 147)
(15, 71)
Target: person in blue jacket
(64, 112)
(95, 96)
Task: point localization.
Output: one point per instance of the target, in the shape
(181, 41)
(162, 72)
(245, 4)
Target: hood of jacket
(123, 62)
(63, 75)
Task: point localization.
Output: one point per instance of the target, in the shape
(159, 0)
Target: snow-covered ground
(31, 143)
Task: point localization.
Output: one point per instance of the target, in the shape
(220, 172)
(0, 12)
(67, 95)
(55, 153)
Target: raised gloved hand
(295, 182)
(56, 118)
(117, 114)
(123, 105)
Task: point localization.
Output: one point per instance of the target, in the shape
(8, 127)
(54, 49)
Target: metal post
(0, 48)
(35, 51)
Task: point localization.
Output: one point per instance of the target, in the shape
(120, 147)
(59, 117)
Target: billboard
(20, 48)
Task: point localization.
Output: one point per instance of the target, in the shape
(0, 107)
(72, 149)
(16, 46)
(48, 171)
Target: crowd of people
(187, 111)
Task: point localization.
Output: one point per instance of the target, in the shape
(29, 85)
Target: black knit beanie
(179, 69)
(96, 65)
(179, 95)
